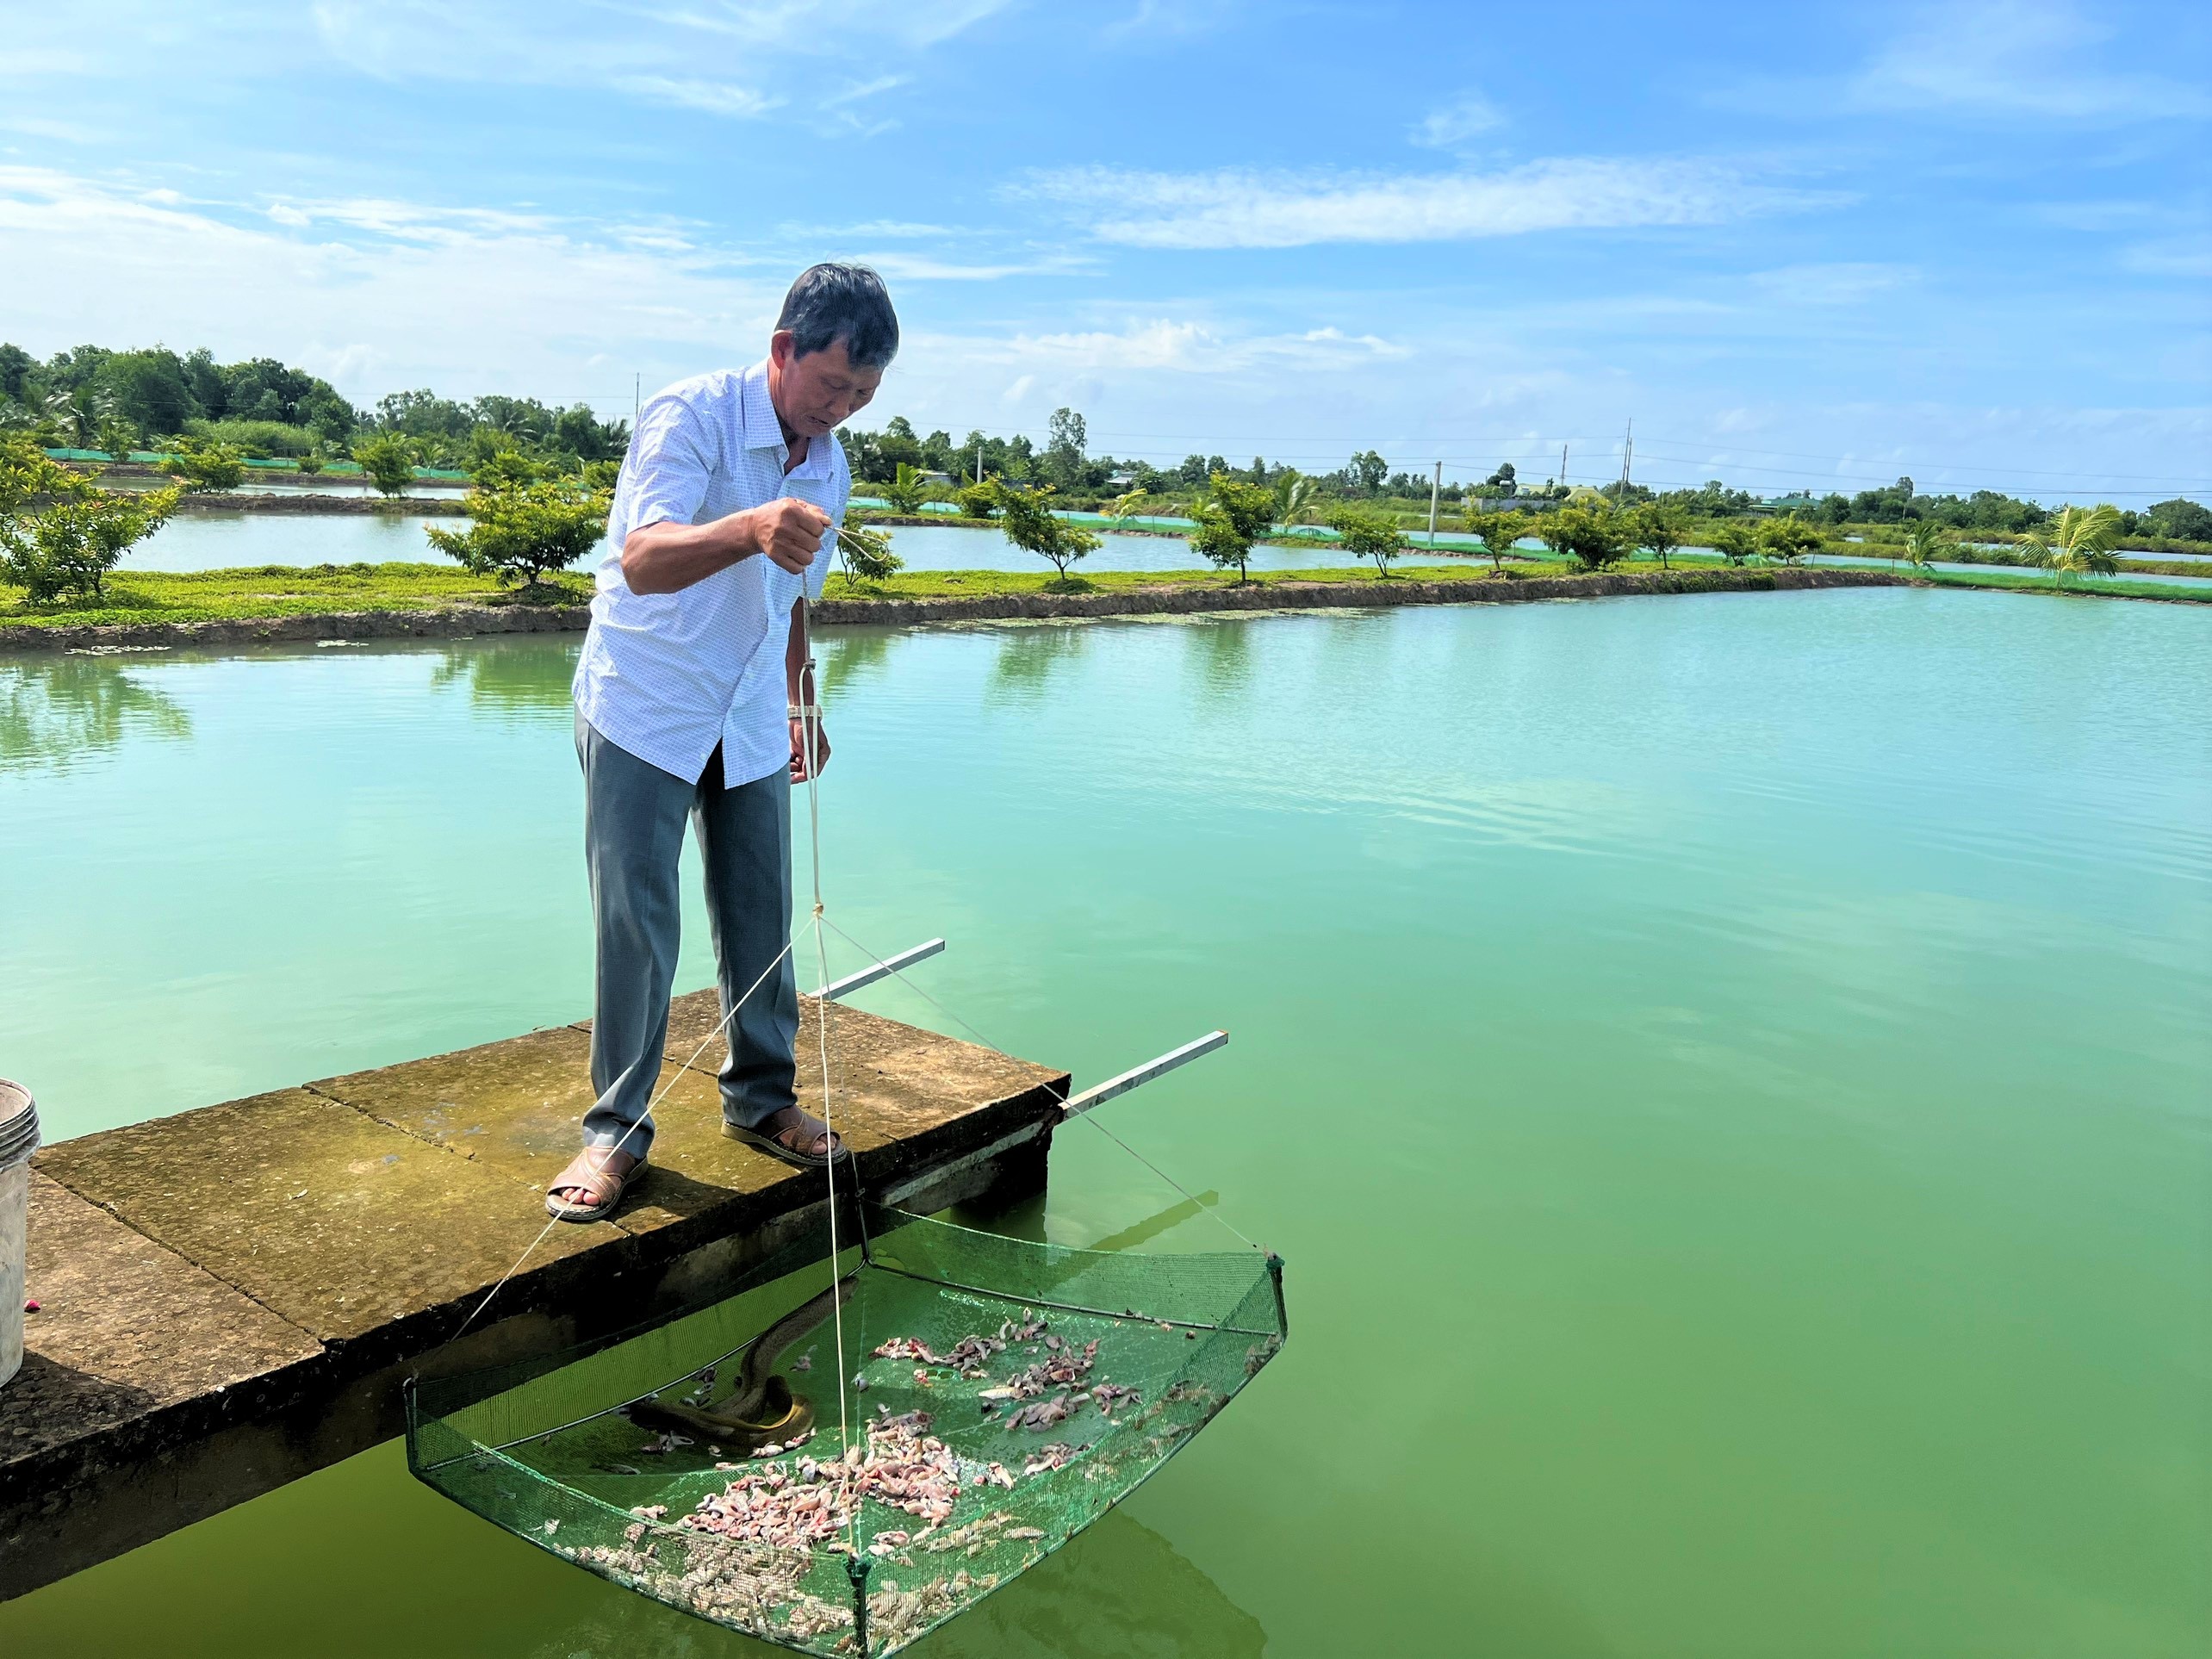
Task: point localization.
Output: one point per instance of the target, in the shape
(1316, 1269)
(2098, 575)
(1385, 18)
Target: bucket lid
(19, 1124)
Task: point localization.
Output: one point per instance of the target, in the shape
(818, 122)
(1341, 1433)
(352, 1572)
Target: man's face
(817, 393)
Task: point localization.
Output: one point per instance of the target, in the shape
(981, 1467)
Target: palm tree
(1294, 503)
(2082, 540)
(68, 418)
(906, 489)
(1923, 542)
(1122, 508)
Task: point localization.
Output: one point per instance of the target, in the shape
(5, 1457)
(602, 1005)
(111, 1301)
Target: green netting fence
(1002, 1395)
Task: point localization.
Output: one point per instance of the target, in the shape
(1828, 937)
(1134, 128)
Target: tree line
(93, 398)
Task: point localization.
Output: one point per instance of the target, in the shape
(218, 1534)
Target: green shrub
(1787, 540)
(1370, 535)
(866, 551)
(504, 468)
(257, 440)
(1592, 533)
(1029, 524)
(204, 466)
(387, 461)
(1735, 543)
(60, 534)
(521, 532)
(977, 501)
(905, 490)
(1230, 518)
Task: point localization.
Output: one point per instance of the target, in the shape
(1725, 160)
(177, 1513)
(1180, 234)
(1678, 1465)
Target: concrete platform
(230, 1297)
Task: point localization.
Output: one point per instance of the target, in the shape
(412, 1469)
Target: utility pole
(1436, 487)
(978, 463)
(637, 397)
(1627, 450)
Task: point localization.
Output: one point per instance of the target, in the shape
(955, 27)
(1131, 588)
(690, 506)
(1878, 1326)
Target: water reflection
(55, 711)
(517, 676)
(1028, 658)
(850, 656)
(1221, 656)
(1119, 1591)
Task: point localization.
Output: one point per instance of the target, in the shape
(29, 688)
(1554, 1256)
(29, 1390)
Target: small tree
(2081, 540)
(977, 502)
(1231, 517)
(385, 460)
(1659, 529)
(59, 534)
(1368, 534)
(495, 468)
(1735, 543)
(311, 464)
(864, 551)
(1787, 540)
(1497, 532)
(204, 467)
(906, 489)
(1030, 525)
(1589, 532)
(1122, 508)
(116, 436)
(521, 532)
(1925, 539)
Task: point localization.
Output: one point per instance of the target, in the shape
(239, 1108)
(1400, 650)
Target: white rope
(1091, 1118)
(647, 1118)
(810, 702)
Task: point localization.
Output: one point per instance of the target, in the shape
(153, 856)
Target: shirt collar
(764, 431)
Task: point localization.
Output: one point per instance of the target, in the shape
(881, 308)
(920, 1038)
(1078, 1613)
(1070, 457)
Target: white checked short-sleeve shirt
(668, 676)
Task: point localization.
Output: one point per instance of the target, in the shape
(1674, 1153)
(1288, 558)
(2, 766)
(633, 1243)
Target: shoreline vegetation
(1873, 540)
(143, 609)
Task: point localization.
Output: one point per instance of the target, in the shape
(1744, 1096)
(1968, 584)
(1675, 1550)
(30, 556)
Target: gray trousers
(634, 817)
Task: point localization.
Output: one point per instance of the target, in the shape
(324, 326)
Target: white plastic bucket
(19, 1138)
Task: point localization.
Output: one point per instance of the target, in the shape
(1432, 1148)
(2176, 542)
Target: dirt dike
(314, 503)
(454, 621)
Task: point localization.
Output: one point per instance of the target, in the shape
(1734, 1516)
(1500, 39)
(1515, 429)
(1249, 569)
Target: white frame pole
(883, 970)
(1136, 1076)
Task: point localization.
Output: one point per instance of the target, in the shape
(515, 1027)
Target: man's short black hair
(834, 303)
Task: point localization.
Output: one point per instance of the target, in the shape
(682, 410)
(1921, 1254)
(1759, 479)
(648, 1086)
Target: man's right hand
(788, 532)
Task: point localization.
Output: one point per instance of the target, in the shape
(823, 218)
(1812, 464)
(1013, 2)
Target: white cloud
(730, 59)
(1166, 344)
(2177, 256)
(1231, 208)
(715, 98)
(1456, 122)
(2029, 59)
(373, 293)
(1841, 283)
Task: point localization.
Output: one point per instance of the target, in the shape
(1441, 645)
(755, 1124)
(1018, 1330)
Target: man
(689, 696)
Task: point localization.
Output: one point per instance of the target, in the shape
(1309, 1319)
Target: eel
(762, 1410)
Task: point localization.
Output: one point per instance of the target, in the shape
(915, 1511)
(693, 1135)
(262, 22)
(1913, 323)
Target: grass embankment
(276, 591)
(282, 590)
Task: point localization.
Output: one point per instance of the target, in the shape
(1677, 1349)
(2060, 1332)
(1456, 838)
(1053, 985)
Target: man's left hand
(798, 749)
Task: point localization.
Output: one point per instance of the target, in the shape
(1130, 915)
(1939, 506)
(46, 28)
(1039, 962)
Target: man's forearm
(668, 557)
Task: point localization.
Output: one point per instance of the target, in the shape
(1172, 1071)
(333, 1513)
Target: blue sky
(1798, 245)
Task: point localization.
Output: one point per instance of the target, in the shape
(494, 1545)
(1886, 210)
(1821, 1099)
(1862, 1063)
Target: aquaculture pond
(217, 541)
(1732, 1077)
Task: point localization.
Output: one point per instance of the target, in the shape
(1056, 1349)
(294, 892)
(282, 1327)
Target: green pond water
(1732, 1077)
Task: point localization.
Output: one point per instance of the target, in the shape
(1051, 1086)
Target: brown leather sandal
(771, 1140)
(605, 1181)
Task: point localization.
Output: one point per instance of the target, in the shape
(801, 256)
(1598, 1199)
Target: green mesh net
(1002, 1394)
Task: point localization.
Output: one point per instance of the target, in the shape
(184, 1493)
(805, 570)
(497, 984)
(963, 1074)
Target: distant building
(1795, 500)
